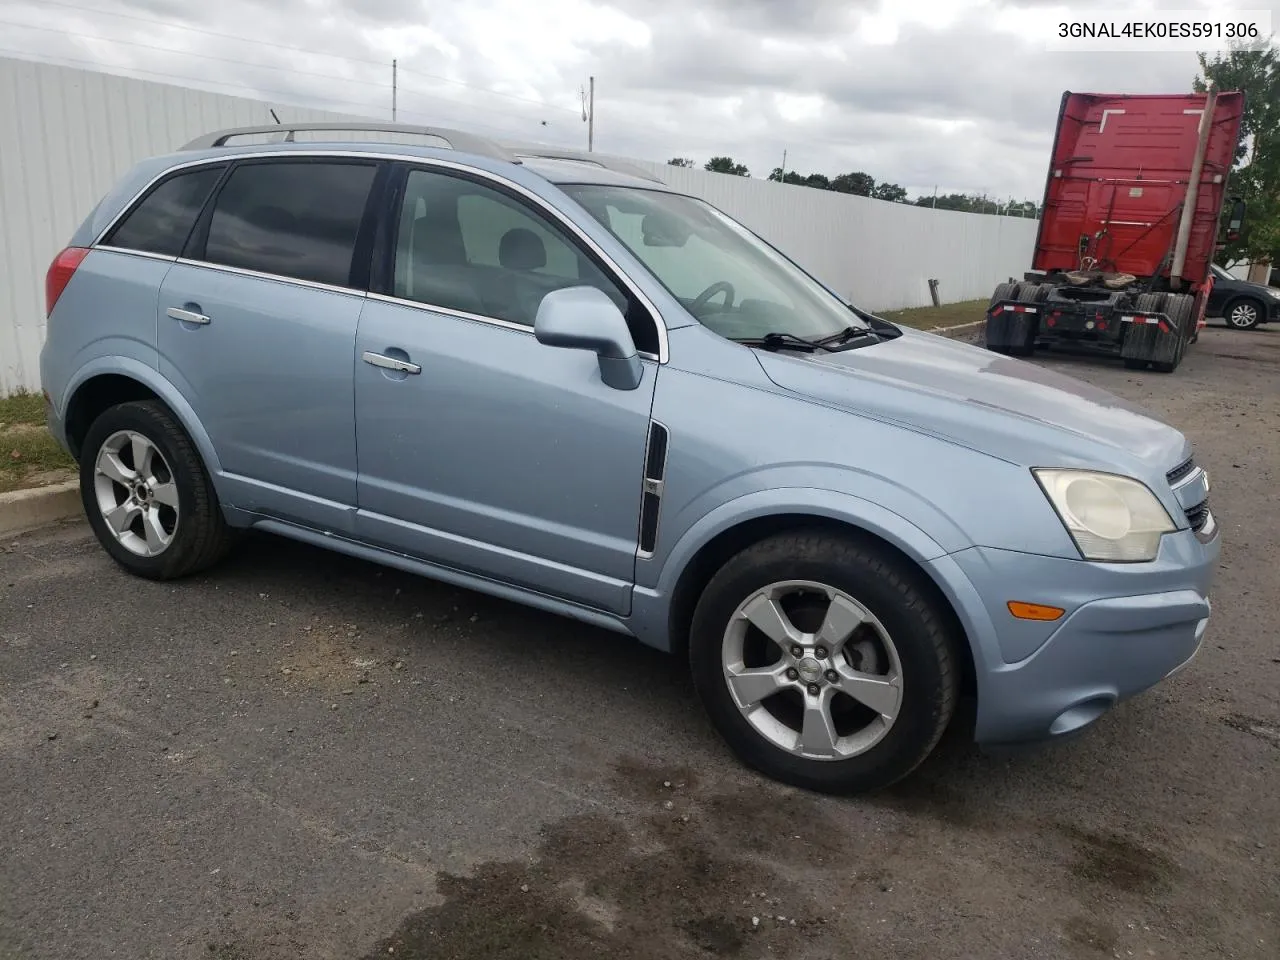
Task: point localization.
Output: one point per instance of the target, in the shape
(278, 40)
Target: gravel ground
(307, 756)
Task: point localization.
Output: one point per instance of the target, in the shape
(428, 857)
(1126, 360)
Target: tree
(1256, 178)
(791, 176)
(889, 191)
(680, 162)
(818, 181)
(727, 165)
(860, 183)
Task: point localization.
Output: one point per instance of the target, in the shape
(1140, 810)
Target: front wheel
(824, 662)
(147, 495)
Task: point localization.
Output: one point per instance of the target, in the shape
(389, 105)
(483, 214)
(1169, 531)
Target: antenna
(273, 114)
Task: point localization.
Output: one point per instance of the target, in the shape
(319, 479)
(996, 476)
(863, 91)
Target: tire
(906, 637)
(1244, 313)
(1138, 345)
(1181, 311)
(182, 530)
(1025, 326)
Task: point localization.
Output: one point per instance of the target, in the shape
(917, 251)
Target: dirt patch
(1261, 729)
(1119, 862)
(703, 875)
(1088, 932)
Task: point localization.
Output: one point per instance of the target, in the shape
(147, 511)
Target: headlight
(1111, 518)
(1274, 292)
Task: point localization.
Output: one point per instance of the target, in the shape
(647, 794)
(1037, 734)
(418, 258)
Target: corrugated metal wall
(67, 135)
(880, 255)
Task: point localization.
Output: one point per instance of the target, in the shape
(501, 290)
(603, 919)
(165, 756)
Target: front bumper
(1126, 628)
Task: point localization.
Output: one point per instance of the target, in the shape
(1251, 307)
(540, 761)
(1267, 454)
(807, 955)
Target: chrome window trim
(277, 278)
(428, 162)
(477, 317)
(133, 252)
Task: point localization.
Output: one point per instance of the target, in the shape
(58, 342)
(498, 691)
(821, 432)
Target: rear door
(257, 328)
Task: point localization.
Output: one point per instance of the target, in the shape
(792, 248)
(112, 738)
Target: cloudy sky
(958, 94)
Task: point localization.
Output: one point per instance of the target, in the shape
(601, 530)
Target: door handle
(390, 363)
(186, 316)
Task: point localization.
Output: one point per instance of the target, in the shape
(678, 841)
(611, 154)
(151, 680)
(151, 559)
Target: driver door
(480, 448)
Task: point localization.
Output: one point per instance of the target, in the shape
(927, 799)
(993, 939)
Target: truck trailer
(1128, 230)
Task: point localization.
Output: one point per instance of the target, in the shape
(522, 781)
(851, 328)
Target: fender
(151, 378)
(651, 606)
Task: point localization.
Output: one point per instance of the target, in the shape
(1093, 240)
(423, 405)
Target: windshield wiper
(847, 334)
(777, 341)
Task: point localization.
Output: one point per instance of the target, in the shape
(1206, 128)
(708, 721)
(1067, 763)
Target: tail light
(59, 275)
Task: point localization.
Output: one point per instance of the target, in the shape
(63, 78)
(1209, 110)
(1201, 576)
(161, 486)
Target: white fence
(67, 135)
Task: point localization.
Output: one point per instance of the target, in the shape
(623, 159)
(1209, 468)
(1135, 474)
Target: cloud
(961, 94)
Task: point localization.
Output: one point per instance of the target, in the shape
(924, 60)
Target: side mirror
(584, 318)
(1235, 220)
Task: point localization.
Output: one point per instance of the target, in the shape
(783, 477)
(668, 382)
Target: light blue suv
(556, 380)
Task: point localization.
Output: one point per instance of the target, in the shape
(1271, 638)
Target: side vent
(655, 467)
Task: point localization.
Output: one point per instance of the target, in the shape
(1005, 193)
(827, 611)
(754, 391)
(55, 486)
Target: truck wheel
(1244, 313)
(996, 330)
(1139, 342)
(825, 662)
(1171, 349)
(147, 495)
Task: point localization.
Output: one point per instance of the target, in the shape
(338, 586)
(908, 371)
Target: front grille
(1198, 515)
(1181, 471)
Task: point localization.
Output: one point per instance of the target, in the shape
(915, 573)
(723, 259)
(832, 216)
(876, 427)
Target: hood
(998, 405)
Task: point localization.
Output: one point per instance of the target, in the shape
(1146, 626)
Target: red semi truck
(1130, 224)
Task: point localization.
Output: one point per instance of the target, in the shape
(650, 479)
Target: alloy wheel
(136, 493)
(812, 670)
(1244, 316)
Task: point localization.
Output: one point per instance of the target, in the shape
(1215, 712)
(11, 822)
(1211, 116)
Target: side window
(465, 246)
(294, 219)
(161, 222)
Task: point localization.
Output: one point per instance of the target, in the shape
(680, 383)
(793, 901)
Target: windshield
(1220, 273)
(729, 279)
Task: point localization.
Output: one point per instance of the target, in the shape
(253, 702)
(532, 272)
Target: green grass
(22, 408)
(947, 315)
(29, 456)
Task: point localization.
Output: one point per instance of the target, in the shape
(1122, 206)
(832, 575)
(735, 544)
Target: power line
(152, 21)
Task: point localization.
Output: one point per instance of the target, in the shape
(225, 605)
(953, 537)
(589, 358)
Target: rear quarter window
(162, 221)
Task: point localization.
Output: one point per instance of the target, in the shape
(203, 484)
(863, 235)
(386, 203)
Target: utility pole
(935, 196)
(591, 117)
(784, 167)
(393, 91)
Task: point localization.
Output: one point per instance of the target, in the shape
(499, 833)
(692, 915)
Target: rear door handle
(186, 316)
(390, 363)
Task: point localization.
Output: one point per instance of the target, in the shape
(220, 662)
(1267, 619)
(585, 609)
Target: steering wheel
(720, 286)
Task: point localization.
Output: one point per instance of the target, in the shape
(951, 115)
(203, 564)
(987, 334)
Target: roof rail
(540, 152)
(457, 139)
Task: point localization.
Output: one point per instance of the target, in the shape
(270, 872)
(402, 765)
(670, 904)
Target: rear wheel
(147, 494)
(1181, 310)
(824, 662)
(1244, 313)
(1138, 344)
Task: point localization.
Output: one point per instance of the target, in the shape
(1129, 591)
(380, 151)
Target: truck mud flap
(1012, 327)
(1140, 339)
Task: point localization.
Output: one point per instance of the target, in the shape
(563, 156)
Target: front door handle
(186, 316)
(390, 363)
